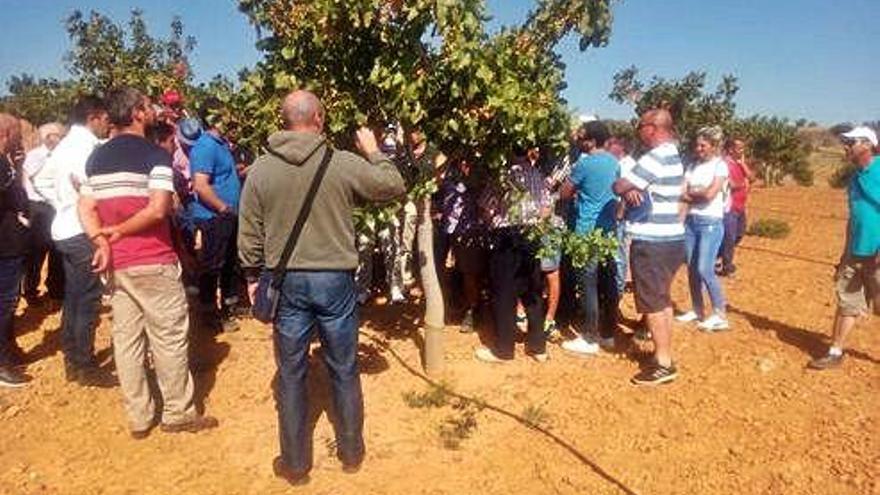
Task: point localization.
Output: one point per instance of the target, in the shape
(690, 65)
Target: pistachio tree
(104, 54)
(775, 148)
(430, 65)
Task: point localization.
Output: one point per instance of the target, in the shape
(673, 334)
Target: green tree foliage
(424, 63)
(39, 100)
(105, 54)
(775, 148)
(691, 105)
(774, 145)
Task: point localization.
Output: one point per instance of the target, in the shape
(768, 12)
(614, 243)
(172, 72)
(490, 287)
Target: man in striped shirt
(124, 207)
(652, 190)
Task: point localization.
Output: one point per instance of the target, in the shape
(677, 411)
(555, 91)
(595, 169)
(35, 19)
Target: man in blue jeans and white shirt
(82, 286)
(318, 292)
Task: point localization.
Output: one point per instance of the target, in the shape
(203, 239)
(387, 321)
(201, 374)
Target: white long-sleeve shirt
(67, 164)
(33, 168)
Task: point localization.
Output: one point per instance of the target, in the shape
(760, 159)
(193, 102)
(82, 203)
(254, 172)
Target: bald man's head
(659, 117)
(655, 127)
(302, 111)
(10, 133)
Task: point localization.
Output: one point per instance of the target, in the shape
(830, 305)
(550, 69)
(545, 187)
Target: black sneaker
(229, 324)
(93, 376)
(353, 466)
(825, 362)
(11, 378)
(71, 371)
(18, 357)
(467, 323)
(288, 474)
(655, 375)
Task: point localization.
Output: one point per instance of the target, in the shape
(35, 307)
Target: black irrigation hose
(786, 255)
(485, 405)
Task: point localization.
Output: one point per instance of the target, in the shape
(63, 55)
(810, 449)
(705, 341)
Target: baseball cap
(587, 117)
(171, 98)
(862, 132)
(188, 131)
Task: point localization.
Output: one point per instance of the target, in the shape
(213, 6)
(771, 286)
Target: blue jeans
(11, 269)
(734, 230)
(599, 298)
(82, 299)
(326, 300)
(703, 237)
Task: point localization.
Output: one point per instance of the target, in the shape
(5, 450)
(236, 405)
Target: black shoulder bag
(270, 281)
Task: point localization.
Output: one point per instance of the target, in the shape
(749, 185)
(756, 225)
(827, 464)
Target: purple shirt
(521, 202)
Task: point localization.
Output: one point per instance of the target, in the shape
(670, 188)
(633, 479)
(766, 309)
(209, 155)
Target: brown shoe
(141, 434)
(285, 472)
(194, 425)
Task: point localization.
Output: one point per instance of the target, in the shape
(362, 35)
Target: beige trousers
(149, 311)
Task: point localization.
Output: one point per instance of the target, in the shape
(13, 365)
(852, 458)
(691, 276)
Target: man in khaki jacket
(319, 291)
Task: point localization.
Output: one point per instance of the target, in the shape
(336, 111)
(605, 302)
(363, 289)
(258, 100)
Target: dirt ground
(744, 416)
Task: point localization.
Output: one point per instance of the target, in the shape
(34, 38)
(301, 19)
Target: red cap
(171, 98)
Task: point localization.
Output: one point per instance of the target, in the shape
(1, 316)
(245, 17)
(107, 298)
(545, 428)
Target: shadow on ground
(814, 344)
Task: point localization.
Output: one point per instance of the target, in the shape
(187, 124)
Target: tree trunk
(434, 306)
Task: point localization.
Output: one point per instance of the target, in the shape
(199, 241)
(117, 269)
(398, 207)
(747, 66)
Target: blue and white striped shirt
(661, 175)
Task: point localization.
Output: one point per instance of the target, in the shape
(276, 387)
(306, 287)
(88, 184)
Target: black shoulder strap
(281, 267)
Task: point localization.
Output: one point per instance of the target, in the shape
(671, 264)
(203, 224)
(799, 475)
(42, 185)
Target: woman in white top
(704, 229)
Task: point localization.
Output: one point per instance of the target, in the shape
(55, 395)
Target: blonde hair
(712, 133)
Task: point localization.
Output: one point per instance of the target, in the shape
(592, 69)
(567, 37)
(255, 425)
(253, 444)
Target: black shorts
(653, 267)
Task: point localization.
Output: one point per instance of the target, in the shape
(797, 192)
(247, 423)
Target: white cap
(586, 117)
(862, 132)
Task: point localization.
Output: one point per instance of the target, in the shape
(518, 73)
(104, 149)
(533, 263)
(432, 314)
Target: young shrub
(770, 228)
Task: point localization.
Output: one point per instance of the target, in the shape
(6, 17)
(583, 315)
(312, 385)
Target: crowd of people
(164, 215)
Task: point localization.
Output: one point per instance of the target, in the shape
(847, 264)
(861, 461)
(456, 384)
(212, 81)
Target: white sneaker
(687, 317)
(714, 323)
(487, 356)
(540, 358)
(580, 347)
(522, 322)
(397, 296)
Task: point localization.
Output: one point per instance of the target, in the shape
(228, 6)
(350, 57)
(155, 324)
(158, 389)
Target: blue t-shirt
(864, 210)
(211, 156)
(593, 176)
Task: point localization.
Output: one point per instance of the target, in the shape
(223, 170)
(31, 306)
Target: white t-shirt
(67, 164)
(702, 175)
(627, 163)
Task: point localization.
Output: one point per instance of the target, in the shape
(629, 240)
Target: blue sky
(795, 58)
